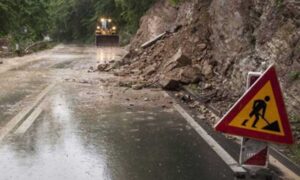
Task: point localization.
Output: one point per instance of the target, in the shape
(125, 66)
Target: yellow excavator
(106, 33)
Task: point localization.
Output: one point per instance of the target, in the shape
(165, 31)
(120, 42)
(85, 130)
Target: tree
(67, 20)
(26, 19)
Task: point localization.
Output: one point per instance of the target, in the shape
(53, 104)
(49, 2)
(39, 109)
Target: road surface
(60, 122)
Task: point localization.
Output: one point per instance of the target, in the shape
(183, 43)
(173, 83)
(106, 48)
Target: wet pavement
(91, 130)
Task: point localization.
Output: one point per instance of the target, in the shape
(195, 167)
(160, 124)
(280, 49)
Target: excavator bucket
(107, 40)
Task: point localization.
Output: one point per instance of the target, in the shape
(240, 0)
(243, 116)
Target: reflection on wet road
(99, 132)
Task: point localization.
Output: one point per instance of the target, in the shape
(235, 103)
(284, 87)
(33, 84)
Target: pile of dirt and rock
(175, 54)
(214, 44)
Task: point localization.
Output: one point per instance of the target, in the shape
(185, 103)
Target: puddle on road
(106, 54)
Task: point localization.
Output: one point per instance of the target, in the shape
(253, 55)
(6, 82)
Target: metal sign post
(259, 114)
(254, 154)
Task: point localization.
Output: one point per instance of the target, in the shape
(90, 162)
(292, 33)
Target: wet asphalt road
(88, 129)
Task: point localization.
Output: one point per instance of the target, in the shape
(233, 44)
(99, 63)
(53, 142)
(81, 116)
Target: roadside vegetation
(26, 22)
(23, 22)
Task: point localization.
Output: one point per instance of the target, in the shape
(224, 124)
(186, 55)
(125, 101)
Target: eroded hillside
(213, 44)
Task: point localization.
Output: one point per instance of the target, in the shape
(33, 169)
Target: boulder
(114, 65)
(189, 74)
(128, 55)
(137, 86)
(169, 84)
(150, 70)
(121, 73)
(207, 86)
(176, 61)
(207, 69)
(112, 61)
(102, 67)
(126, 84)
(201, 46)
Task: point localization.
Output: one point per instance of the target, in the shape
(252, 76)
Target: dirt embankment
(221, 42)
(214, 44)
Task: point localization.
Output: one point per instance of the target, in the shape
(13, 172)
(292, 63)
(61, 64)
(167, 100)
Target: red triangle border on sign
(223, 124)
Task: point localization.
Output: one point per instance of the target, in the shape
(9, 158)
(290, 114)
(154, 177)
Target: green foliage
(294, 75)
(75, 20)
(295, 152)
(67, 20)
(279, 3)
(130, 13)
(175, 2)
(295, 118)
(26, 19)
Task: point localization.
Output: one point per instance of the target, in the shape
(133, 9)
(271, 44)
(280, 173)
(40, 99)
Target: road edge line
(224, 155)
(279, 161)
(21, 115)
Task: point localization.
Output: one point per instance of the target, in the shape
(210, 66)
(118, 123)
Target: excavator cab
(106, 33)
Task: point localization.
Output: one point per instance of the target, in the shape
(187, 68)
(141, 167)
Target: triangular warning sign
(260, 113)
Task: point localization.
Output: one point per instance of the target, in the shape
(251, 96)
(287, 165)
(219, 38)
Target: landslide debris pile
(180, 56)
(213, 44)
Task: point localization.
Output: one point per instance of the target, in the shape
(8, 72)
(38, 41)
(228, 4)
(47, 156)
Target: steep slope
(215, 43)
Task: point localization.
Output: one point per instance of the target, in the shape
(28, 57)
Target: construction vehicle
(106, 33)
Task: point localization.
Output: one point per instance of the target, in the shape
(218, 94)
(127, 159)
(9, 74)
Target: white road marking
(222, 153)
(288, 174)
(20, 116)
(30, 120)
(232, 163)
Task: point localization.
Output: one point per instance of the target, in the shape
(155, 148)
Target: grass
(175, 2)
(295, 149)
(193, 87)
(295, 152)
(295, 118)
(279, 3)
(294, 75)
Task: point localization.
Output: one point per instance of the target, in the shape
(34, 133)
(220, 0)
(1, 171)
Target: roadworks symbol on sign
(260, 113)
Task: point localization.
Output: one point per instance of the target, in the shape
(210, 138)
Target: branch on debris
(154, 40)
